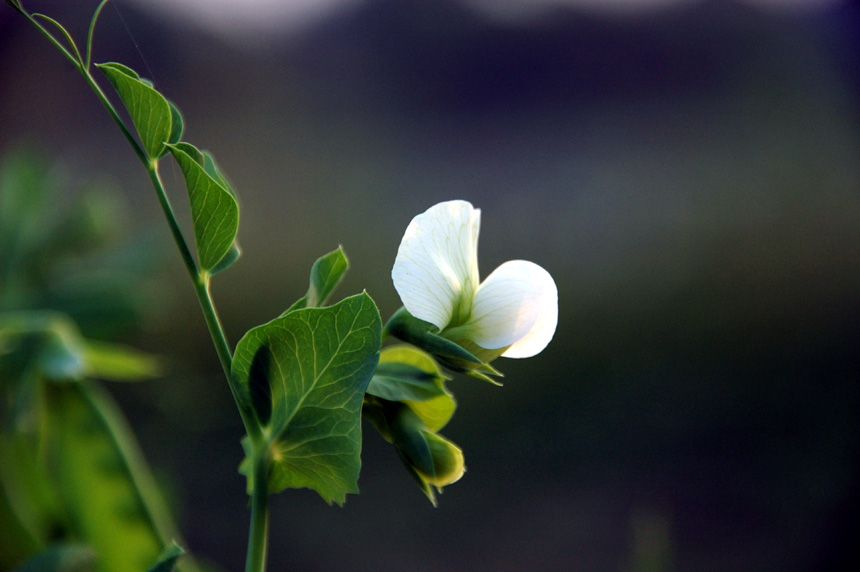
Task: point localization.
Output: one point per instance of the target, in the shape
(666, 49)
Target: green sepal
(410, 329)
(149, 110)
(457, 357)
(61, 558)
(327, 273)
(406, 433)
(432, 460)
(167, 560)
(318, 362)
(214, 210)
(412, 376)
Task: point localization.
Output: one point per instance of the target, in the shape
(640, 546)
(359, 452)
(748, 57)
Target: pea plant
(301, 382)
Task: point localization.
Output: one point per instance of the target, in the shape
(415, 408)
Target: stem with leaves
(200, 277)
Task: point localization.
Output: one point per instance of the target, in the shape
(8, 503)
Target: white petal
(437, 263)
(507, 304)
(543, 329)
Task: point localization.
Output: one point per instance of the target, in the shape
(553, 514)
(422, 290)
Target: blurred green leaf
(61, 558)
(321, 362)
(149, 110)
(28, 510)
(110, 498)
(117, 362)
(214, 210)
(168, 558)
(326, 273)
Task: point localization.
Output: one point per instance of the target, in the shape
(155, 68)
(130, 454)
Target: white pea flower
(515, 309)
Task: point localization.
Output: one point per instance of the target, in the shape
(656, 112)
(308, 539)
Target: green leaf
(321, 360)
(28, 509)
(108, 493)
(149, 110)
(118, 362)
(16, 4)
(326, 273)
(61, 558)
(168, 558)
(214, 210)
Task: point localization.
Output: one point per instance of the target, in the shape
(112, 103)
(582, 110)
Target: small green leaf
(326, 273)
(321, 362)
(149, 110)
(214, 210)
(168, 558)
(61, 558)
(16, 4)
(118, 362)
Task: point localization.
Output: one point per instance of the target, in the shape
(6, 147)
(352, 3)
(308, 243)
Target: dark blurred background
(689, 175)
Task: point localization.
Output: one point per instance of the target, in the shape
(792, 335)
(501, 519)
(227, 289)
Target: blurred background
(687, 171)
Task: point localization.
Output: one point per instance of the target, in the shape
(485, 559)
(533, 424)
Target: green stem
(258, 536)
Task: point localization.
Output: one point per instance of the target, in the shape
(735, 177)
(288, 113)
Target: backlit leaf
(214, 210)
(326, 273)
(149, 110)
(318, 363)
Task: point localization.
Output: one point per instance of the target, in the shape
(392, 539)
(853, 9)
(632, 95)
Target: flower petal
(543, 329)
(507, 304)
(436, 268)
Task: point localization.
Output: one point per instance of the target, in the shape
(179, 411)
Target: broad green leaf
(149, 110)
(167, 560)
(214, 210)
(104, 360)
(61, 558)
(318, 362)
(326, 273)
(108, 493)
